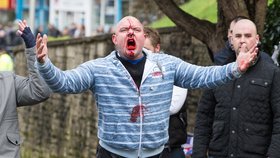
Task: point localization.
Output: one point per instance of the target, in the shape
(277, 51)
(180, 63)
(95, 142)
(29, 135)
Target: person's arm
(193, 76)
(274, 147)
(203, 124)
(31, 89)
(178, 99)
(70, 81)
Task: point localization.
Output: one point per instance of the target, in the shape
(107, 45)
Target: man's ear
(157, 48)
(258, 38)
(114, 38)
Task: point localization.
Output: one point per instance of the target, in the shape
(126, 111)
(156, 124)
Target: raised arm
(71, 81)
(193, 76)
(31, 89)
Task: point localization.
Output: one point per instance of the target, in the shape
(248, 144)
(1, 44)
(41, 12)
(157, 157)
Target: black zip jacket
(242, 118)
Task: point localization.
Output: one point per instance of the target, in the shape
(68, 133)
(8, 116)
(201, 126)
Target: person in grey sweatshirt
(16, 91)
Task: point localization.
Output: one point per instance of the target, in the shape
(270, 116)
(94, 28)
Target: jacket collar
(149, 65)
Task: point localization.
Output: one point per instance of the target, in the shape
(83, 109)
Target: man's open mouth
(131, 45)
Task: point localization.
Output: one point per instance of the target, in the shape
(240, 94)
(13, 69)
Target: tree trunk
(260, 14)
(214, 35)
(203, 30)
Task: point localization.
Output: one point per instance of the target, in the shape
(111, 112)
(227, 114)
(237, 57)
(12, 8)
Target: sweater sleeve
(192, 76)
(179, 96)
(76, 80)
(31, 89)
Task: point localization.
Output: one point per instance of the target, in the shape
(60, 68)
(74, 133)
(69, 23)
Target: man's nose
(242, 39)
(130, 32)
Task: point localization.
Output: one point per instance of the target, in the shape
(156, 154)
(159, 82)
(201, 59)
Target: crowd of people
(140, 93)
(73, 31)
(9, 39)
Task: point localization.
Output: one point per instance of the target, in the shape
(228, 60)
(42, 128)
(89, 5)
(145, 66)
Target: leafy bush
(271, 35)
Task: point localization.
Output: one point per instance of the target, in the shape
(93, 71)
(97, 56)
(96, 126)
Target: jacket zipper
(141, 122)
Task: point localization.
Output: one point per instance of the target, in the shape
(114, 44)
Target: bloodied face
(129, 38)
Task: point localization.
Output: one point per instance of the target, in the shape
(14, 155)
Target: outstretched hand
(42, 49)
(25, 32)
(246, 57)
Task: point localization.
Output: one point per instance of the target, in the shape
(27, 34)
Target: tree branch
(233, 8)
(186, 21)
(261, 7)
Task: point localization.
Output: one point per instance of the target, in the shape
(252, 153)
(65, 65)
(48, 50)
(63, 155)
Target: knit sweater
(132, 118)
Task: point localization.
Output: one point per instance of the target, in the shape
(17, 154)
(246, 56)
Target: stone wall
(65, 125)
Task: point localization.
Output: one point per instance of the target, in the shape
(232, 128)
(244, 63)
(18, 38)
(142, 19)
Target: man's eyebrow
(237, 34)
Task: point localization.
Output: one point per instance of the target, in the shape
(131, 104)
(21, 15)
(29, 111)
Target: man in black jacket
(242, 118)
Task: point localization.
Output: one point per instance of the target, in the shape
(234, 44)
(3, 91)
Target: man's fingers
(41, 45)
(40, 49)
(41, 56)
(254, 54)
(38, 41)
(25, 23)
(42, 53)
(253, 51)
(19, 33)
(254, 48)
(45, 39)
(243, 47)
(38, 36)
(20, 26)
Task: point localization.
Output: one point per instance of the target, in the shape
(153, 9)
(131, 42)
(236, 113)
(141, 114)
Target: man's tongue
(131, 47)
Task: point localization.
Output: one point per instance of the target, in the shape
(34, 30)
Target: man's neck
(132, 61)
(140, 55)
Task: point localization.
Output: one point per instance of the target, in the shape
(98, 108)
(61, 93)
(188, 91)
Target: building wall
(91, 13)
(65, 125)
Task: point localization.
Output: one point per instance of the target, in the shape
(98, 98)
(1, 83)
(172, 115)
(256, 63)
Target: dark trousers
(173, 153)
(103, 153)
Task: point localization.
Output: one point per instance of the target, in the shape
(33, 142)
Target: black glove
(28, 37)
